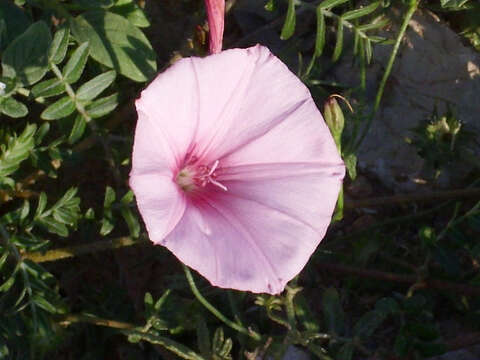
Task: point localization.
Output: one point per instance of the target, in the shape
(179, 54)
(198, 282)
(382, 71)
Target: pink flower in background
(234, 169)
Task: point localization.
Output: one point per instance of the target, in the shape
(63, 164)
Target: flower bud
(335, 120)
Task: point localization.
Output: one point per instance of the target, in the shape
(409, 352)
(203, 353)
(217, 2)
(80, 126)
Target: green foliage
(26, 58)
(349, 19)
(127, 51)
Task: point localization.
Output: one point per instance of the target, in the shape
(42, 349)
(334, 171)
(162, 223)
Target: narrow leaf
(102, 106)
(59, 109)
(59, 45)
(339, 44)
(328, 4)
(378, 23)
(355, 14)
(13, 108)
(91, 89)
(75, 65)
(368, 50)
(47, 88)
(320, 38)
(77, 130)
(289, 25)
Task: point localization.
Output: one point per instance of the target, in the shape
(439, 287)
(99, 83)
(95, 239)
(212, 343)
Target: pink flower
(215, 13)
(234, 169)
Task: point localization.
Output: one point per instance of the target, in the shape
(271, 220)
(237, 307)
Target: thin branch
(72, 251)
(470, 193)
(408, 279)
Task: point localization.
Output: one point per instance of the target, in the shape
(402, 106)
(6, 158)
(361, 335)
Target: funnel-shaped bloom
(216, 23)
(234, 169)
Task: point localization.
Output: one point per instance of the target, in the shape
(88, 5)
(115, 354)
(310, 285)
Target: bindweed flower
(234, 169)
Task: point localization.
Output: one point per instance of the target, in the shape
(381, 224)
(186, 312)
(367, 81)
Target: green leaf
(328, 4)
(133, 13)
(13, 108)
(108, 221)
(351, 165)
(368, 50)
(339, 44)
(355, 14)
(77, 130)
(42, 204)
(18, 149)
(59, 45)
(47, 88)
(7, 284)
(53, 226)
(270, 5)
(16, 22)
(116, 43)
(320, 37)
(27, 56)
(289, 25)
(75, 65)
(109, 197)
(41, 132)
(59, 109)
(94, 4)
(102, 106)
(333, 311)
(91, 89)
(377, 23)
(132, 221)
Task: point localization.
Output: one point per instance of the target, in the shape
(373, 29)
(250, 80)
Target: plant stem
(254, 335)
(411, 10)
(129, 330)
(411, 279)
(178, 349)
(83, 318)
(72, 251)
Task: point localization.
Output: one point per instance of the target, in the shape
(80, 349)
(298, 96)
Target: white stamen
(214, 167)
(216, 183)
(210, 176)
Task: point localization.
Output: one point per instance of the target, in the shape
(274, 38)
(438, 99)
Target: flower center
(194, 176)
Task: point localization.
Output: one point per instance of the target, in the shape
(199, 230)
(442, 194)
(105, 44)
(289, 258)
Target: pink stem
(216, 21)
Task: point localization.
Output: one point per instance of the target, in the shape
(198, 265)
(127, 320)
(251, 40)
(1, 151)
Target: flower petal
(222, 250)
(160, 203)
(306, 192)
